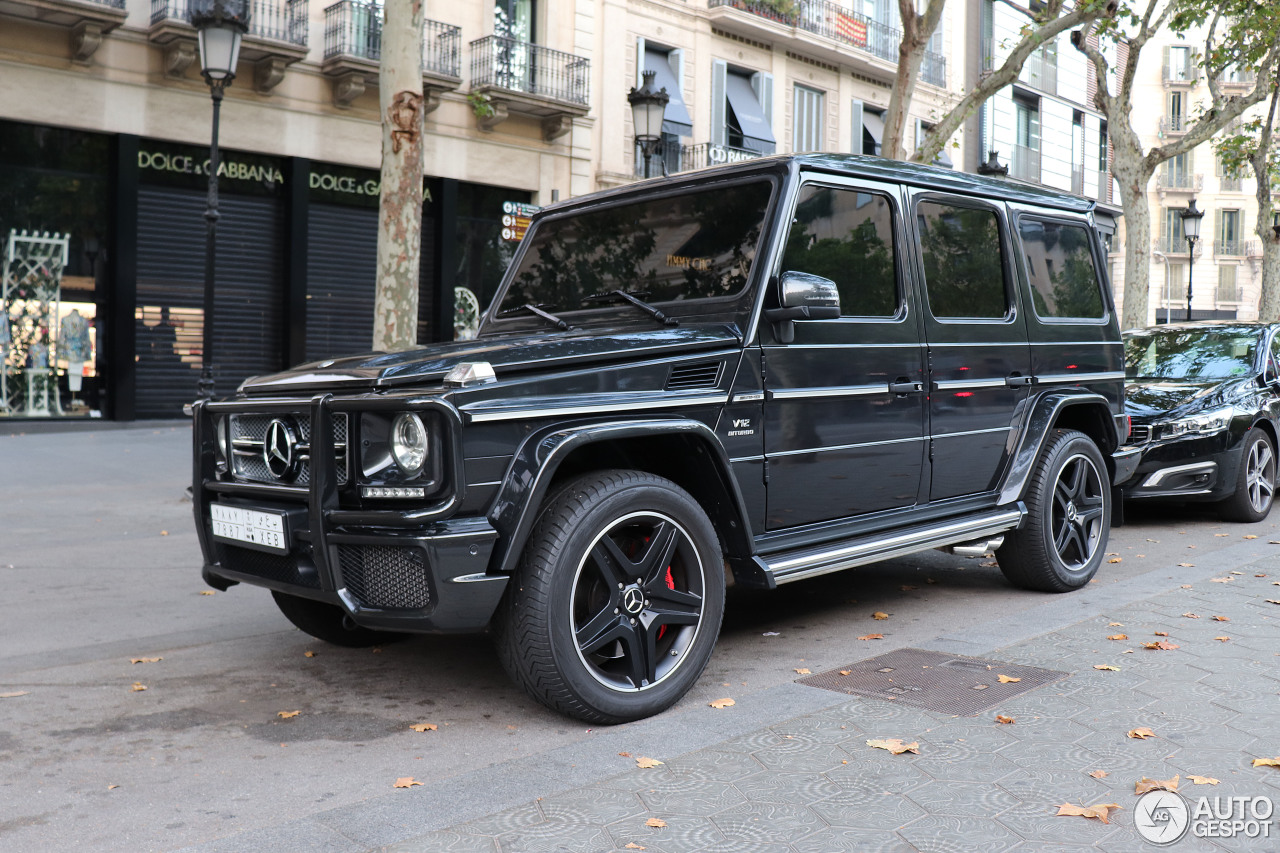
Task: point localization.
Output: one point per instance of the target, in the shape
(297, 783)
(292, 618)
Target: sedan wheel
(1255, 480)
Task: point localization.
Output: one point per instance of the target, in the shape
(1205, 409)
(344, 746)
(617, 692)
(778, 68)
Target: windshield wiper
(631, 298)
(536, 310)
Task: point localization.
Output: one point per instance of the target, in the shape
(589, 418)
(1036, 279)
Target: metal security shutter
(170, 319)
(342, 267)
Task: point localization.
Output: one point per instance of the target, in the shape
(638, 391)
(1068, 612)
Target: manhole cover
(951, 684)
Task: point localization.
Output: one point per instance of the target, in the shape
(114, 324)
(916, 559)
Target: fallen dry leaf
(1099, 774)
(631, 845)
(308, 654)
(112, 787)
(1223, 639)
(145, 660)
(1155, 785)
(1099, 812)
(1106, 666)
(1273, 601)
(625, 754)
(1116, 560)
(802, 670)
(1222, 619)
(1260, 575)
(906, 587)
(138, 687)
(1118, 637)
(1115, 624)
(1162, 633)
(1162, 645)
(846, 672)
(14, 694)
(287, 715)
(424, 727)
(656, 822)
(1222, 534)
(895, 745)
(1003, 720)
(1007, 679)
(1250, 536)
(879, 616)
(1236, 573)
(1221, 580)
(1202, 780)
(406, 782)
(872, 637)
(722, 703)
(1266, 762)
(208, 592)
(166, 533)
(1142, 733)
(646, 763)
(1191, 615)
(1186, 586)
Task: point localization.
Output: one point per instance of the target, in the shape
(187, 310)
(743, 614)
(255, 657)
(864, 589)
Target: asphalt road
(100, 565)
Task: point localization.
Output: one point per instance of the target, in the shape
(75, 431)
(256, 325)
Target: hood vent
(692, 376)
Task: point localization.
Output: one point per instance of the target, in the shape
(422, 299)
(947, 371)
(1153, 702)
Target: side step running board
(797, 565)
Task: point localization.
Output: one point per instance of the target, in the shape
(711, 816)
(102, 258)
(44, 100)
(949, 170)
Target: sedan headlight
(409, 443)
(1205, 424)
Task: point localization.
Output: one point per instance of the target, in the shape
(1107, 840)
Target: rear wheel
(1069, 518)
(328, 622)
(1255, 481)
(616, 605)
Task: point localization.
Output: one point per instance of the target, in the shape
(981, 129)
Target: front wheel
(616, 605)
(328, 622)
(1255, 481)
(1068, 518)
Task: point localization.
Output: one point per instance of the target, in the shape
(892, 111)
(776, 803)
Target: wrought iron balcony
(1228, 248)
(1182, 74)
(1025, 164)
(1230, 184)
(1173, 124)
(87, 20)
(1229, 293)
(1175, 245)
(277, 37)
(1253, 249)
(353, 51)
(706, 154)
(1238, 77)
(1180, 182)
(1077, 180)
(513, 76)
(1040, 74)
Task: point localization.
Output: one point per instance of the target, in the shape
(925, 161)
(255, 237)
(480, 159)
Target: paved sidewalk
(812, 785)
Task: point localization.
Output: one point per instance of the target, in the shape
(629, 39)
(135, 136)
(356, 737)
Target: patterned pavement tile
(962, 799)
(818, 729)
(982, 733)
(1125, 756)
(713, 765)
(556, 836)
(873, 812)
(682, 833)
(688, 796)
(591, 805)
(840, 839)
(1041, 823)
(893, 774)
(975, 765)
(878, 716)
(798, 756)
(937, 834)
(740, 845)
(511, 819)
(1042, 847)
(1041, 788)
(1059, 756)
(445, 842)
(770, 787)
(777, 823)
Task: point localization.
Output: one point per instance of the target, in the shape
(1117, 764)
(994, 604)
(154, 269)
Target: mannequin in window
(73, 341)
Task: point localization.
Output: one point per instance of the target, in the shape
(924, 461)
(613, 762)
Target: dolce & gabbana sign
(230, 168)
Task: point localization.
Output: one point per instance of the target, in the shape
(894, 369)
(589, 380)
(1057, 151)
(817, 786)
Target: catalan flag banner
(852, 30)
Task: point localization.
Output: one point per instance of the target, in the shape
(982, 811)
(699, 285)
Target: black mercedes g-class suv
(752, 374)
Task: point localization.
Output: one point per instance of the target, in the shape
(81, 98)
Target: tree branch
(1102, 99)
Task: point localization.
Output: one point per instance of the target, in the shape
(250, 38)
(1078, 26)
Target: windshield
(697, 245)
(1191, 355)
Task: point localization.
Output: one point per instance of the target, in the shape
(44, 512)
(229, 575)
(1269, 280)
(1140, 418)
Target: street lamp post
(1191, 230)
(219, 24)
(647, 108)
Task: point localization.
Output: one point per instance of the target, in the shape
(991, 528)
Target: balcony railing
(508, 63)
(934, 69)
(1180, 181)
(1025, 163)
(1104, 186)
(110, 4)
(706, 154)
(278, 20)
(1230, 293)
(354, 28)
(1230, 184)
(1041, 74)
(1077, 180)
(1173, 124)
(1228, 247)
(1238, 78)
(988, 53)
(1253, 248)
(1178, 73)
(1175, 245)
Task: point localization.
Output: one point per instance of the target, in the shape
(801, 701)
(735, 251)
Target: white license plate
(250, 526)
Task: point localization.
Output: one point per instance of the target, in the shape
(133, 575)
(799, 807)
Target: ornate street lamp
(993, 166)
(219, 24)
(1191, 230)
(647, 108)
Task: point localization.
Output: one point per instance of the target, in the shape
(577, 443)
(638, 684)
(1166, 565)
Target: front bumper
(416, 570)
(1196, 468)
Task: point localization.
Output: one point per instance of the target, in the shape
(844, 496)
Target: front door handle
(903, 386)
(1017, 380)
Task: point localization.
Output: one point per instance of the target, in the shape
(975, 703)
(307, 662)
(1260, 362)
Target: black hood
(507, 355)
(1153, 400)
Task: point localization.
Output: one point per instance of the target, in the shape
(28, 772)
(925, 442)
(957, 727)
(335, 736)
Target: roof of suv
(861, 165)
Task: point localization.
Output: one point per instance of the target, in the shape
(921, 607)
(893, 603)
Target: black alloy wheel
(616, 606)
(1063, 540)
(1255, 480)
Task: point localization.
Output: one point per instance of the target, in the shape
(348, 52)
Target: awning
(756, 132)
(675, 120)
(873, 125)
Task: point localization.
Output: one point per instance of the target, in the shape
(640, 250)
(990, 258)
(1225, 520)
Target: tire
(328, 622)
(1255, 480)
(1068, 500)
(616, 605)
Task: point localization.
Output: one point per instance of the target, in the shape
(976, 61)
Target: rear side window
(963, 261)
(846, 236)
(1064, 279)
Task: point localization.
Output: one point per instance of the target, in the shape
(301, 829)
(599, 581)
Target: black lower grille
(387, 577)
(273, 567)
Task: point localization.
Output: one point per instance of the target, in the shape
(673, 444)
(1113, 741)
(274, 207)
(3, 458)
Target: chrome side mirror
(803, 297)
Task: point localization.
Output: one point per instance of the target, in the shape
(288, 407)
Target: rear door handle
(1017, 380)
(902, 386)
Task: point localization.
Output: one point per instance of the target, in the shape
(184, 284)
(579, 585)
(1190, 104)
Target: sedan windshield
(1190, 355)
(697, 245)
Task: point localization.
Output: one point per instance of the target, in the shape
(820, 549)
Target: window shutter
(675, 58)
(1217, 225)
(762, 85)
(1193, 65)
(1164, 224)
(639, 62)
(1167, 70)
(855, 113)
(719, 70)
(1191, 165)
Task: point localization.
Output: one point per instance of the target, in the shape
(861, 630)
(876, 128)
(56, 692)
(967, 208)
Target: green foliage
(481, 104)
(962, 261)
(860, 261)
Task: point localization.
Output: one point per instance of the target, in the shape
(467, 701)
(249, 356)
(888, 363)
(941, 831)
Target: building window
(1177, 112)
(742, 109)
(1175, 289)
(1026, 153)
(1172, 238)
(668, 67)
(1179, 64)
(1227, 240)
(807, 120)
(867, 129)
(1227, 289)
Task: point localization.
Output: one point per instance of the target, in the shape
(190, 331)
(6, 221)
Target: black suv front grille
(392, 578)
(273, 567)
(248, 435)
(1139, 433)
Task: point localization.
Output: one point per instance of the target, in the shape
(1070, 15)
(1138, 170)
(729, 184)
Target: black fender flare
(1044, 412)
(528, 478)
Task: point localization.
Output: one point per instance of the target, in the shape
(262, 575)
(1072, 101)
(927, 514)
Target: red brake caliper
(671, 584)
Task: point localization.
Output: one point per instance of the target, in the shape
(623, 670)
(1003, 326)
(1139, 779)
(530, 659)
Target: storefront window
(484, 251)
(53, 235)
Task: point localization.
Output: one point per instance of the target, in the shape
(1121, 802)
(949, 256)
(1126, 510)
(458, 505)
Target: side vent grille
(691, 376)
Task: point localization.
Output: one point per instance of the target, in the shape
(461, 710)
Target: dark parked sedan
(1204, 399)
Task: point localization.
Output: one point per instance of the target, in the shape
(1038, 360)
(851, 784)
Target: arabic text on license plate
(248, 525)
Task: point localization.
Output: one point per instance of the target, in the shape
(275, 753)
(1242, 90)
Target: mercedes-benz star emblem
(633, 600)
(278, 449)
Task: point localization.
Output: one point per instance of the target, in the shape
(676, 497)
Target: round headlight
(409, 443)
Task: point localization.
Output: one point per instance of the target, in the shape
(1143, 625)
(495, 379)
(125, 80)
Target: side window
(846, 236)
(963, 261)
(1064, 280)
